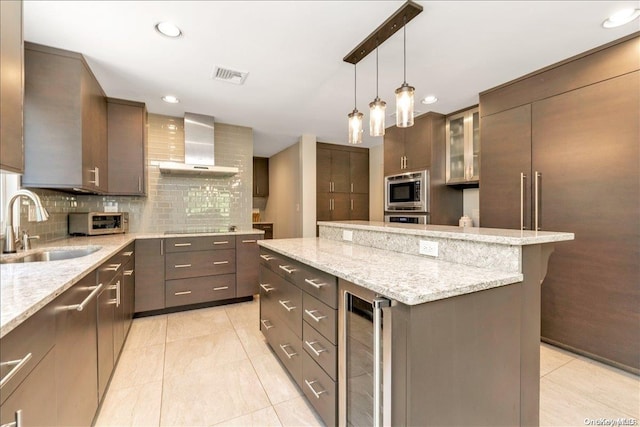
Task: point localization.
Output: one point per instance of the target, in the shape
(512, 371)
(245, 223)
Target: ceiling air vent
(228, 75)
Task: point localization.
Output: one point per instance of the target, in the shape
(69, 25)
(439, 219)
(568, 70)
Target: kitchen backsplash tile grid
(172, 202)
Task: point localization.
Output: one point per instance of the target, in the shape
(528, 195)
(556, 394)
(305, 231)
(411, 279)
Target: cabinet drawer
(24, 347)
(127, 254)
(321, 285)
(284, 297)
(321, 350)
(288, 347)
(108, 270)
(200, 263)
(200, 289)
(320, 390)
(185, 244)
(321, 317)
(277, 263)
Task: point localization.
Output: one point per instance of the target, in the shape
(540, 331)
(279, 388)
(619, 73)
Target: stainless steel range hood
(198, 150)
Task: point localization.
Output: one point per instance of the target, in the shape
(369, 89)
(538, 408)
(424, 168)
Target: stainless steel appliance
(408, 218)
(364, 358)
(407, 192)
(97, 223)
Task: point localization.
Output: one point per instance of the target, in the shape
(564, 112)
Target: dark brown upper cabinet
(11, 86)
(65, 123)
(409, 149)
(260, 176)
(127, 142)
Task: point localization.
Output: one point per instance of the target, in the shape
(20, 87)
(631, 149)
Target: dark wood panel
(359, 207)
(359, 171)
(418, 141)
(94, 132)
(585, 144)
(247, 264)
(189, 244)
(200, 289)
(260, 177)
(126, 123)
(340, 175)
(326, 405)
(323, 170)
(182, 265)
(76, 356)
(341, 206)
(393, 150)
(11, 86)
(505, 153)
(323, 206)
(149, 266)
(106, 319)
(570, 74)
(327, 323)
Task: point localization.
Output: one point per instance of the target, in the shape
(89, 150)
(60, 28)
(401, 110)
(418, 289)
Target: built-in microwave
(97, 223)
(407, 192)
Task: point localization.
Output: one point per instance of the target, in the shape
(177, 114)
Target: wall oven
(364, 363)
(407, 192)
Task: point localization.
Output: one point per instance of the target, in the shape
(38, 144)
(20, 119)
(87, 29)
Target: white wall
(376, 183)
(284, 203)
(308, 184)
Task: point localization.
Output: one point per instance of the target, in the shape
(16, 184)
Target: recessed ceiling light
(430, 99)
(168, 29)
(621, 17)
(170, 99)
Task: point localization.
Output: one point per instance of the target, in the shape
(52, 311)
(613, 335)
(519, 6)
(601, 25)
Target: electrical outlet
(347, 235)
(427, 247)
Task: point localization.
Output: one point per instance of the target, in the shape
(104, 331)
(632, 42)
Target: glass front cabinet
(463, 147)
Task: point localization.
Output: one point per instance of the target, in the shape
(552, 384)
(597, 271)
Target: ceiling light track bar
(395, 22)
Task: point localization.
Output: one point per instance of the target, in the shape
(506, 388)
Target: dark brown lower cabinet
(149, 266)
(247, 264)
(106, 321)
(76, 354)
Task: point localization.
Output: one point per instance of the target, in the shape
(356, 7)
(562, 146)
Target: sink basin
(53, 255)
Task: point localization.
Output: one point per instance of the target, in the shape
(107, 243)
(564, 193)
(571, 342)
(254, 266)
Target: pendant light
(355, 117)
(377, 109)
(405, 93)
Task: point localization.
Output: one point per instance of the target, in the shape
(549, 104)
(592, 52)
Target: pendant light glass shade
(376, 117)
(404, 105)
(405, 93)
(355, 127)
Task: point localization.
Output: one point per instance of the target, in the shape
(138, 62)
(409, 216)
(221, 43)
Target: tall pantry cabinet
(560, 151)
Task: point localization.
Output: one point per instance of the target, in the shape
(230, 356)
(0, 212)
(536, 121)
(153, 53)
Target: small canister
(465, 221)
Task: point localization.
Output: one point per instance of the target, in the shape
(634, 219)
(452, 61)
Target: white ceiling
(293, 50)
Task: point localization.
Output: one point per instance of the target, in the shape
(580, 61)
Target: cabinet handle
(330, 204)
(139, 183)
(161, 247)
(351, 204)
(182, 293)
(80, 307)
(311, 346)
(19, 364)
(182, 266)
(401, 163)
(220, 262)
(267, 288)
(257, 189)
(314, 284)
(266, 227)
(128, 253)
(313, 316)
(221, 243)
(287, 307)
(17, 422)
(378, 305)
(249, 241)
(220, 288)
(118, 293)
(128, 272)
(178, 245)
(352, 187)
(264, 323)
(96, 172)
(267, 257)
(523, 177)
(537, 195)
(283, 347)
(287, 268)
(310, 384)
(112, 267)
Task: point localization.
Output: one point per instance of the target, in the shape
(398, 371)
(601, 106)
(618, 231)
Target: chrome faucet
(41, 215)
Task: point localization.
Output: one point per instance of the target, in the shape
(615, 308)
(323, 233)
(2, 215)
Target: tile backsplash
(172, 202)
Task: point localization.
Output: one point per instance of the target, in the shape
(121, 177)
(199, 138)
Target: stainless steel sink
(53, 255)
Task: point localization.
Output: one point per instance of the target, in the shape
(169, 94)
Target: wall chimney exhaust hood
(198, 150)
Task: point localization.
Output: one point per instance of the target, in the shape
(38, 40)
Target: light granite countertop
(27, 287)
(476, 234)
(409, 279)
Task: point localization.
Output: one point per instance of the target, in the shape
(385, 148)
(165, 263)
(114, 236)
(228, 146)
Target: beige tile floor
(211, 367)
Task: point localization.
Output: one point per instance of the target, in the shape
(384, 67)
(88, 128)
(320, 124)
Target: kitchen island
(461, 335)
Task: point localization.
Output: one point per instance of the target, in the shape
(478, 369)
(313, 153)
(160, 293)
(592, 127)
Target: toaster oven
(97, 223)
